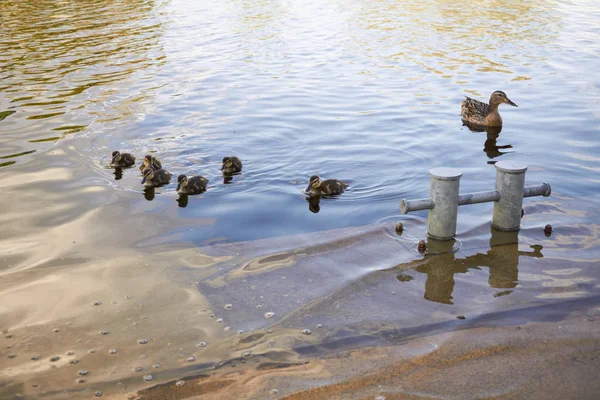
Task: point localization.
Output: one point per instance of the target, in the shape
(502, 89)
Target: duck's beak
(143, 180)
(508, 101)
(178, 187)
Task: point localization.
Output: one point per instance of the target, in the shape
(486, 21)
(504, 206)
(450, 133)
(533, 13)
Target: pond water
(367, 92)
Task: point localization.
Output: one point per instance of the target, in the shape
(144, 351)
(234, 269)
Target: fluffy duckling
(477, 112)
(122, 160)
(231, 165)
(150, 162)
(155, 178)
(317, 187)
(192, 185)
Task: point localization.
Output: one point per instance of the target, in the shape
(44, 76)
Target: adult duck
(479, 113)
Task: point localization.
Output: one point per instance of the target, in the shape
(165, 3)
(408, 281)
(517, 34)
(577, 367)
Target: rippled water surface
(363, 91)
(366, 92)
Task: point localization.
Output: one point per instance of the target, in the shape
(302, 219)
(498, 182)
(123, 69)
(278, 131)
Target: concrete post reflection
(502, 261)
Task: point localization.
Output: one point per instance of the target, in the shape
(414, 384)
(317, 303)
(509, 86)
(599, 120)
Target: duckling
(155, 178)
(231, 165)
(477, 112)
(150, 162)
(317, 187)
(192, 185)
(123, 160)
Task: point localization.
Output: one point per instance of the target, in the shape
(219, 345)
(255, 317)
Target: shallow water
(366, 92)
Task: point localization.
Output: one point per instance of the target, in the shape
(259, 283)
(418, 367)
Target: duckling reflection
(502, 261)
(182, 200)
(313, 203)
(149, 193)
(118, 173)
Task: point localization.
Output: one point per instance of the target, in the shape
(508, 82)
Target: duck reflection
(502, 260)
(313, 203)
(149, 193)
(490, 147)
(182, 200)
(227, 178)
(118, 171)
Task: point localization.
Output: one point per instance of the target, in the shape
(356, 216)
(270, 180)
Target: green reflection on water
(50, 139)
(18, 154)
(4, 114)
(6, 164)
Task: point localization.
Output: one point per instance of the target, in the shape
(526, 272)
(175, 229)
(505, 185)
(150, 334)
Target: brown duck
(479, 113)
(191, 185)
(329, 187)
(231, 165)
(122, 160)
(155, 178)
(150, 162)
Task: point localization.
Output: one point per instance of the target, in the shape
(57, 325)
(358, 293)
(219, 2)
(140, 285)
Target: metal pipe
(540, 190)
(479, 197)
(445, 199)
(443, 190)
(407, 206)
(510, 182)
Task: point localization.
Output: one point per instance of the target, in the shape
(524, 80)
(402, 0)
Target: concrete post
(443, 191)
(510, 183)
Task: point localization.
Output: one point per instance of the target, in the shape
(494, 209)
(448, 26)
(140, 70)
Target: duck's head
(148, 175)
(500, 97)
(182, 181)
(116, 157)
(313, 183)
(147, 160)
(227, 163)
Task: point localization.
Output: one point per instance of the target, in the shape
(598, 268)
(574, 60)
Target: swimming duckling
(317, 187)
(156, 178)
(192, 185)
(477, 112)
(123, 160)
(231, 165)
(150, 162)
